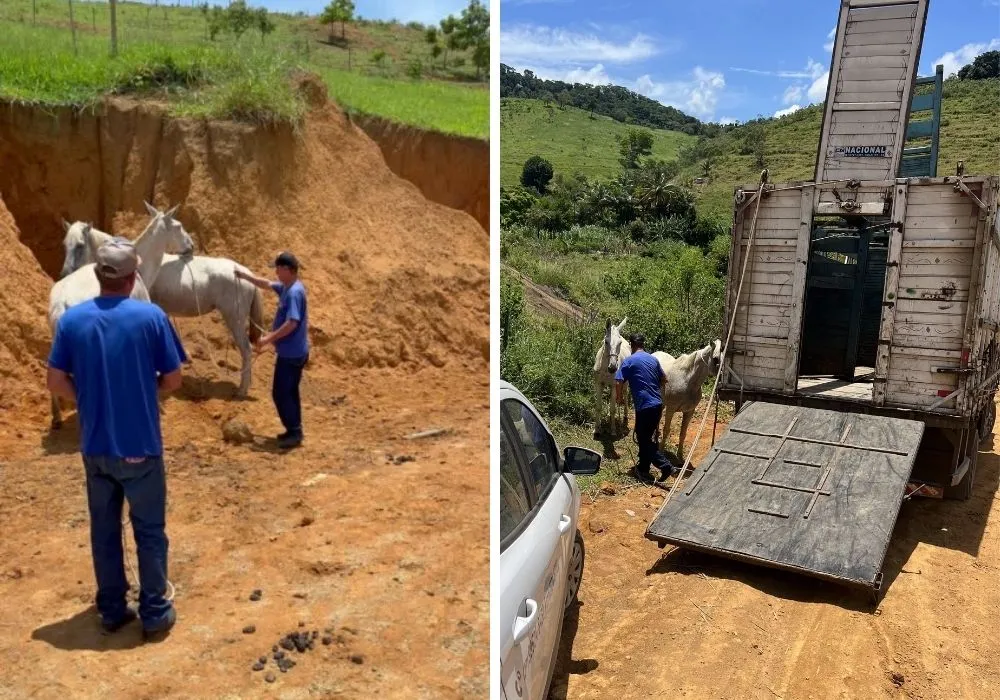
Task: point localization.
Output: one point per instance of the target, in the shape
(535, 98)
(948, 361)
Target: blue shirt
(291, 306)
(643, 373)
(114, 347)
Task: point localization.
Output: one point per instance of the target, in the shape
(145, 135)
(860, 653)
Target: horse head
(75, 245)
(176, 237)
(613, 344)
(711, 355)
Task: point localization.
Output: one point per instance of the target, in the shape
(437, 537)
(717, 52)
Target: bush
(415, 69)
(536, 173)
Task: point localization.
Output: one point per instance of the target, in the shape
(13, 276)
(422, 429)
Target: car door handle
(523, 624)
(564, 523)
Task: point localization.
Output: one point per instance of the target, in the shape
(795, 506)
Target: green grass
(569, 138)
(418, 104)
(164, 50)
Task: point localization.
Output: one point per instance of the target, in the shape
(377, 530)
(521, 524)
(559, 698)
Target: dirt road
(669, 624)
(355, 551)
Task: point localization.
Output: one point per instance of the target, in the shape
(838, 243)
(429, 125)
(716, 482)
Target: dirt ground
(357, 551)
(670, 624)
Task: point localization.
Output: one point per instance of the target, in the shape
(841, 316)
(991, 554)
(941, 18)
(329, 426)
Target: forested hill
(619, 103)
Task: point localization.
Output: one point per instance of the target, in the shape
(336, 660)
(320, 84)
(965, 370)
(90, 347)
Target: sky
(723, 61)
(424, 11)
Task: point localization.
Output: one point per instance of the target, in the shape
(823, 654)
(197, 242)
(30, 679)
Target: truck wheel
(987, 421)
(575, 570)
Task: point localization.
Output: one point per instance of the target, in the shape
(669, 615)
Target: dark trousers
(646, 421)
(285, 392)
(109, 481)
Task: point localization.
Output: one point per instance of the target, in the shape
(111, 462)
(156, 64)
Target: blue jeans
(646, 421)
(110, 480)
(285, 392)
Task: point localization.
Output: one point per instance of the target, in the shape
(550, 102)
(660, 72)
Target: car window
(538, 447)
(514, 502)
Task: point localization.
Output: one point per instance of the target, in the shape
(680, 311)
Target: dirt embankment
(372, 245)
(450, 170)
(24, 334)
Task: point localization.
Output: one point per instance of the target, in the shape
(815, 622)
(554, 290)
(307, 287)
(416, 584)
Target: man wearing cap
(644, 375)
(290, 337)
(111, 354)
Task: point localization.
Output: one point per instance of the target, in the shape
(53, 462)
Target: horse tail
(256, 316)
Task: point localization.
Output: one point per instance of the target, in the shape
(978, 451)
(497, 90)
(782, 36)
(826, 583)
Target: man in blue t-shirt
(111, 354)
(643, 373)
(290, 337)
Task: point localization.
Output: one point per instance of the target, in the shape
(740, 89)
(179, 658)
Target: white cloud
(728, 120)
(828, 46)
(697, 96)
(817, 91)
(793, 94)
(788, 110)
(953, 60)
(546, 46)
(587, 76)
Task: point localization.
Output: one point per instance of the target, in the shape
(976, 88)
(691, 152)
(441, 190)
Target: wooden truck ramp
(802, 489)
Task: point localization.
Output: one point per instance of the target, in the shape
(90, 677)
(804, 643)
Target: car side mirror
(581, 461)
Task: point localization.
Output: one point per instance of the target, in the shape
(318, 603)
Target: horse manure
(256, 594)
(270, 677)
(258, 666)
(249, 629)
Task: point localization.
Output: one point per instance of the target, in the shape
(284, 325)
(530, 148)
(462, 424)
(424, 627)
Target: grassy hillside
(380, 68)
(569, 138)
(970, 131)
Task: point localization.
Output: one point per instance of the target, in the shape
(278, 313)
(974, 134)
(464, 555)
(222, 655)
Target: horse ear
(171, 210)
(65, 224)
(622, 324)
(150, 208)
(607, 326)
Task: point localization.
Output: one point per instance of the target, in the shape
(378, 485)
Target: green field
(574, 142)
(570, 138)
(970, 131)
(165, 51)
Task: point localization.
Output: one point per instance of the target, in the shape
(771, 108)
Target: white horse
(191, 286)
(613, 351)
(82, 284)
(681, 385)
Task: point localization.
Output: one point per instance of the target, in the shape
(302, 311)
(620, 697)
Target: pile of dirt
(24, 338)
(393, 279)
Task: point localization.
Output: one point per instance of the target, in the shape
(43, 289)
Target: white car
(540, 560)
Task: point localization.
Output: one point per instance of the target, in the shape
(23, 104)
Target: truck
(862, 317)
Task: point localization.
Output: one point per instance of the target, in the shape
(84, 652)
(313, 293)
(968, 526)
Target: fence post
(114, 28)
(72, 26)
(34, 10)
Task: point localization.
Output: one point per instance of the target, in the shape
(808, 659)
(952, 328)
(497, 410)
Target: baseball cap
(286, 259)
(117, 258)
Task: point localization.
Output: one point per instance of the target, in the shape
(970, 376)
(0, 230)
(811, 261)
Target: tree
(985, 66)
(338, 11)
(239, 18)
(449, 30)
(537, 173)
(755, 142)
(263, 21)
(635, 144)
(473, 32)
